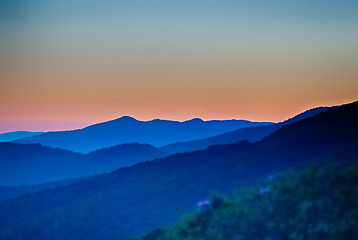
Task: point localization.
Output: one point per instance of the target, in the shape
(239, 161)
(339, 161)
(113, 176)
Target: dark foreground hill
(251, 134)
(134, 200)
(314, 203)
(33, 163)
(126, 130)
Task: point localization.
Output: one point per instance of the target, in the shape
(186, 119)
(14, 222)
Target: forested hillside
(318, 202)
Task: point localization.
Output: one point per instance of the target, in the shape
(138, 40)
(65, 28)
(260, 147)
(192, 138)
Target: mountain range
(62, 164)
(127, 129)
(34, 163)
(134, 200)
(251, 134)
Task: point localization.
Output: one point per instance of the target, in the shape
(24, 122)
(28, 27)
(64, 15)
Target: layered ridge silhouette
(251, 134)
(134, 200)
(72, 165)
(34, 163)
(127, 129)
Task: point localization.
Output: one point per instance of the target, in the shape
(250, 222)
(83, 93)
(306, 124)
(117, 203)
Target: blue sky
(173, 59)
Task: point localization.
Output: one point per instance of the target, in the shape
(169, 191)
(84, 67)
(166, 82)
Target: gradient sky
(67, 64)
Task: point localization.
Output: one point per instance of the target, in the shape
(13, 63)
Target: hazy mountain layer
(12, 136)
(33, 163)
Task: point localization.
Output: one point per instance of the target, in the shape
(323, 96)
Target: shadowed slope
(251, 134)
(33, 163)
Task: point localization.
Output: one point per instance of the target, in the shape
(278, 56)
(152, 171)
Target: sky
(68, 64)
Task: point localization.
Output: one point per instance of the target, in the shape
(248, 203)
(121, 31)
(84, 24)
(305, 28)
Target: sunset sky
(67, 64)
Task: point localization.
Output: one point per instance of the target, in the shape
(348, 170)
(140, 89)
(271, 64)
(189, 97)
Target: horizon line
(85, 125)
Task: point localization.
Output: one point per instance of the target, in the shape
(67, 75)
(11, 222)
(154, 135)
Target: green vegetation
(314, 203)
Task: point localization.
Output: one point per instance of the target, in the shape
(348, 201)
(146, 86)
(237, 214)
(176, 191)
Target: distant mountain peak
(195, 120)
(127, 118)
(128, 129)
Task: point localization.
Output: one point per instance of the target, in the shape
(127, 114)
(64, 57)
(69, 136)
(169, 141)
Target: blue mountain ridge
(13, 136)
(127, 129)
(33, 163)
(72, 165)
(251, 134)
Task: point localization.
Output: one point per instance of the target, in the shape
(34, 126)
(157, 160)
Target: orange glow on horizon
(77, 98)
